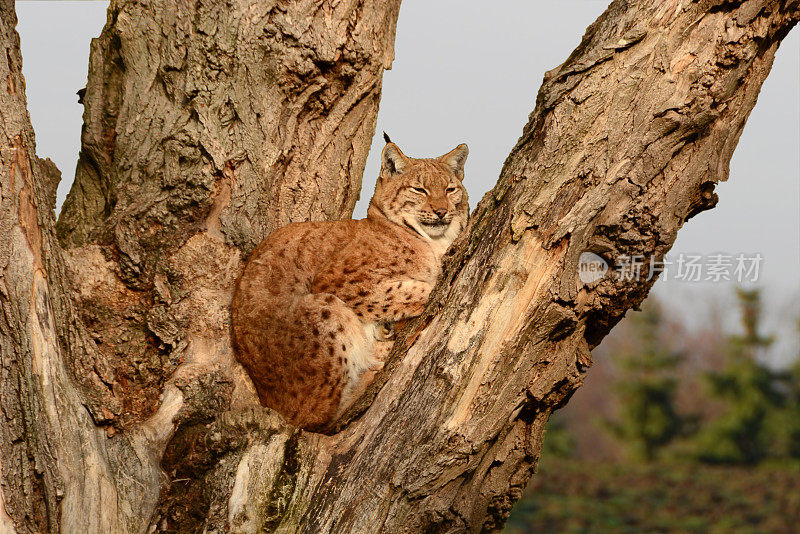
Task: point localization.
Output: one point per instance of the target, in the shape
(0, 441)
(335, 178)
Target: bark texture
(209, 125)
(27, 190)
(206, 126)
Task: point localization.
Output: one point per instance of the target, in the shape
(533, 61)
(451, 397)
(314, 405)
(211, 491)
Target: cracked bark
(209, 125)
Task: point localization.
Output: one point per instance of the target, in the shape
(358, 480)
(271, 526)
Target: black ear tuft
(392, 160)
(386, 137)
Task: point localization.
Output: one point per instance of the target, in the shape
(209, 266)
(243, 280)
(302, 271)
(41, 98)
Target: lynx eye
(419, 190)
(450, 190)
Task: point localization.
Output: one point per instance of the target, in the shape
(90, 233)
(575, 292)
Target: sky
(467, 73)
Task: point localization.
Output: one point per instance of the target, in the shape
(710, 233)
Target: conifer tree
(748, 391)
(648, 419)
(784, 424)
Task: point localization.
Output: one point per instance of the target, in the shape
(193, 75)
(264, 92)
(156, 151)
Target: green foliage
(648, 419)
(783, 424)
(573, 496)
(749, 392)
(793, 412)
(558, 440)
(734, 469)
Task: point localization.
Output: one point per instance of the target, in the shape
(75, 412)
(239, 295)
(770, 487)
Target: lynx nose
(440, 212)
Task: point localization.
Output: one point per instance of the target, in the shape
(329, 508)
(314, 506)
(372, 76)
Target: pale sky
(467, 72)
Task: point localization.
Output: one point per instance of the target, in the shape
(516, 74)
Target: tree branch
(627, 140)
(209, 125)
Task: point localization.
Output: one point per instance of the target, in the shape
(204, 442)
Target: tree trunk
(209, 125)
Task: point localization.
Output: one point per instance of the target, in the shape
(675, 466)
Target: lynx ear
(455, 159)
(392, 160)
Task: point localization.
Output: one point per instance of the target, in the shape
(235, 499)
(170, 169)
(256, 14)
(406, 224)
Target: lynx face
(425, 195)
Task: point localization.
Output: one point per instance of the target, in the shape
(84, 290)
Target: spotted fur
(312, 313)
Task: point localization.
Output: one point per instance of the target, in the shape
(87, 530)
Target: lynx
(314, 308)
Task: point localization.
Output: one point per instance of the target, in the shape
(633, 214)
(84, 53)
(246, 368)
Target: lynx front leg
(393, 300)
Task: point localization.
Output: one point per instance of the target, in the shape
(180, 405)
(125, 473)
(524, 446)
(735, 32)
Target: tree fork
(209, 126)
(206, 127)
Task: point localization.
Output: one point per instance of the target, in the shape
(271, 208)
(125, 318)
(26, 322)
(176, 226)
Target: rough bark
(28, 490)
(209, 125)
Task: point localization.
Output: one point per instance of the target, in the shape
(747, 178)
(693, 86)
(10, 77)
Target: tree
(209, 124)
(782, 425)
(648, 418)
(786, 423)
(749, 392)
(560, 443)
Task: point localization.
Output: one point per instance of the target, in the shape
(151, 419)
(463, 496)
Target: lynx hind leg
(337, 352)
